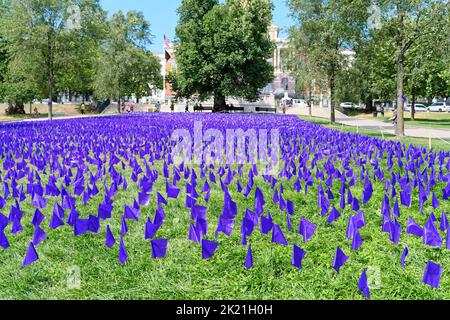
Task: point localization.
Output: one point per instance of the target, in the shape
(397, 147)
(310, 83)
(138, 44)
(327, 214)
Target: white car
(300, 103)
(438, 107)
(347, 105)
(417, 107)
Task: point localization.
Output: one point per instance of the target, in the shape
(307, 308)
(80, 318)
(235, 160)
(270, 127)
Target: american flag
(167, 42)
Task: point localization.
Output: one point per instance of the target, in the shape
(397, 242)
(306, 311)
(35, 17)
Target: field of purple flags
(344, 216)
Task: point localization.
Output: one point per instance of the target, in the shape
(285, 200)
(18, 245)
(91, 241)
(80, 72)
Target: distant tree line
(53, 46)
(402, 50)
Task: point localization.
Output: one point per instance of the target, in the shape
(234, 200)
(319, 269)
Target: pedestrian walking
(83, 108)
(394, 120)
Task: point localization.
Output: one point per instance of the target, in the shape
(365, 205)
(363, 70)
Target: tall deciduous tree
(408, 21)
(325, 28)
(37, 32)
(223, 49)
(125, 66)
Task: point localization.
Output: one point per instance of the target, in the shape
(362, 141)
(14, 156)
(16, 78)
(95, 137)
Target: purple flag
(297, 256)
(334, 215)
(150, 229)
(161, 199)
(278, 235)
(109, 239)
(31, 255)
(39, 235)
(123, 256)
(172, 191)
(39, 201)
(306, 229)
(435, 202)
(208, 248)
(431, 236)
(339, 259)
(144, 198)
(432, 274)
(363, 286)
(159, 248)
(395, 231)
(357, 240)
(38, 217)
(414, 228)
(249, 259)
(194, 234)
(132, 213)
(402, 260)
(444, 222)
(81, 226)
(266, 224)
(4, 243)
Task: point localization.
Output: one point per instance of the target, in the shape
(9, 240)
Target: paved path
(374, 124)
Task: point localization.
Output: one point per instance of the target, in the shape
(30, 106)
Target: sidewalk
(374, 124)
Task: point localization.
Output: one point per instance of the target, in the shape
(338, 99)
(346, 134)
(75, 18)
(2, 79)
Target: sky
(163, 17)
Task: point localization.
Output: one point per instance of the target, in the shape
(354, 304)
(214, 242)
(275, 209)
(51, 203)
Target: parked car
(300, 103)
(418, 107)
(347, 105)
(438, 107)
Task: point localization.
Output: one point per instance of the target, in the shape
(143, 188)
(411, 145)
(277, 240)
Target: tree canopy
(223, 49)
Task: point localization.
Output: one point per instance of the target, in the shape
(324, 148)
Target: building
(283, 82)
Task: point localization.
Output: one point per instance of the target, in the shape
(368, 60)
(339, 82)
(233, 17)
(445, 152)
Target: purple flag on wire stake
(363, 286)
(278, 235)
(123, 255)
(403, 259)
(339, 259)
(208, 248)
(159, 248)
(306, 229)
(249, 259)
(109, 239)
(31, 255)
(297, 256)
(432, 274)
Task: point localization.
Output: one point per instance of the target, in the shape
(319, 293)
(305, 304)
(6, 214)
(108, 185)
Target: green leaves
(124, 66)
(223, 49)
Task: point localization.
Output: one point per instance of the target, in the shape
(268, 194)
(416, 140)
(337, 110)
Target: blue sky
(163, 17)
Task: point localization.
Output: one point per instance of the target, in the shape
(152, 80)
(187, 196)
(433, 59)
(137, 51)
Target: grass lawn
(436, 144)
(59, 110)
(183, 274)
(438, 120)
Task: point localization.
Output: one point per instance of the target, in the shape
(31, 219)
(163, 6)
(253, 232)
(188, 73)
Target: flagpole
(164, 72)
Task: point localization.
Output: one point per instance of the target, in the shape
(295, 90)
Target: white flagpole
(164, 72)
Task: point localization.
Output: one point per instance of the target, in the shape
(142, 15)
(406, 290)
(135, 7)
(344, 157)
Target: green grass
(438, 120)
(436, 144)
(184, 275)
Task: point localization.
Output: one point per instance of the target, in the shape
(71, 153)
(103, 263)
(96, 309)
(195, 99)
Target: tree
(125, 66)
(37, 32)
(408, 21)
(223, 49)
(302, 67)
(324, 28)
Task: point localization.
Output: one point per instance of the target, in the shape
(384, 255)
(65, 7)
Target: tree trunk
(370, 105)
(118, 105)
(413, 107)
(50, 74)
(219, 103)
(310, 102)
(400, 91)
(331, 97)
